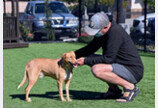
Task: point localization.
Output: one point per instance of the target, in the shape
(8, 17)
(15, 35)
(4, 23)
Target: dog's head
(69, 58)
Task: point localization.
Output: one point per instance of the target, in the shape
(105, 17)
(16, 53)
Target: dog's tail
(24, 80)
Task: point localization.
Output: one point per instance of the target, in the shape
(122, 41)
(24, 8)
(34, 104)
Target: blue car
(63, 22)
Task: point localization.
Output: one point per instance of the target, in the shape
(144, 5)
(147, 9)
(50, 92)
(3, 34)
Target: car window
(58, 7)
(39, 8)
(31, 10)
(27, 8)
(55, 7)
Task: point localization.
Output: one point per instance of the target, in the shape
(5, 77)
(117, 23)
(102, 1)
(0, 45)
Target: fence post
(80, 15)
(96, 6)
(13, 8)
(145, 11)
(120, 14)
(17, 20)
(4, 8)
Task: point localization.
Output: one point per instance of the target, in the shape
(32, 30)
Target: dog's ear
(63, 56)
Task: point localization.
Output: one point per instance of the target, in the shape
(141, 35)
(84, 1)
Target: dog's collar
(60, 62)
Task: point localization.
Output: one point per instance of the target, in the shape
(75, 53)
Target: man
(119, 63)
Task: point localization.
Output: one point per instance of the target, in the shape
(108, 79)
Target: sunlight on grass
(83, 87)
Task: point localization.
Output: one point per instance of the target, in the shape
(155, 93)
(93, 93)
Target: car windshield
(55, 7)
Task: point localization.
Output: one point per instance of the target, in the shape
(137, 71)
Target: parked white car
(138, 23)
(137, 33)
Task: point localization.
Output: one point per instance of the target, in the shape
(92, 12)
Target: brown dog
(59, 69)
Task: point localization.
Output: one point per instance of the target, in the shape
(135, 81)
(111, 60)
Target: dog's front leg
(60, 88)
(67, 82)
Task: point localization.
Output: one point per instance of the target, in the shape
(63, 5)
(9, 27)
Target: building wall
(135, 8)
(22, 6)
(137, 4)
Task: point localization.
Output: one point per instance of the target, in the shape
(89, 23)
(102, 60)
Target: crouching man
(119, 64)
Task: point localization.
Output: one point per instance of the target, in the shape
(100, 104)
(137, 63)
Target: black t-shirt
(117, 47)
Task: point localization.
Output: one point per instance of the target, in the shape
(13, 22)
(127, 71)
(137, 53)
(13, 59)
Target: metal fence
(144, 42)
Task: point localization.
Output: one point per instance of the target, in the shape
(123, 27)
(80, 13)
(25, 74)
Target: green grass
(83, 87)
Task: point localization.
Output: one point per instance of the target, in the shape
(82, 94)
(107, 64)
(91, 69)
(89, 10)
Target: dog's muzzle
(73, 64)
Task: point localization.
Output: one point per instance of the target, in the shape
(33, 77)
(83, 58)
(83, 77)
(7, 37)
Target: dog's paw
(29, 100)
(63, 100)
(69, 100)
(41, 75)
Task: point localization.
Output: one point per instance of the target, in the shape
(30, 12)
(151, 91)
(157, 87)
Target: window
(55, 7)
(27, 8)
(31, 10)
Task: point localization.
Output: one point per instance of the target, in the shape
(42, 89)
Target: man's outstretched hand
(80, 61)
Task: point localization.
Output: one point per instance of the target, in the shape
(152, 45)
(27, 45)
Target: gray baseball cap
(97, 22)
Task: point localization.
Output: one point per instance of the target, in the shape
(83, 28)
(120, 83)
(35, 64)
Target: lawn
(83, 87)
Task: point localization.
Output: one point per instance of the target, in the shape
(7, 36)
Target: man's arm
(89, 49)
(112, 44)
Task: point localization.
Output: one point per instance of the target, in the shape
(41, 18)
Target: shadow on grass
(147, 54)
(74, 94)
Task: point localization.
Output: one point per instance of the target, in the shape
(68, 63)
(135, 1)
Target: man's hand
(80, 61)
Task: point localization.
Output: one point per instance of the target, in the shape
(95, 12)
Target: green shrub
(24, 32)
(85, 39)
(50, 34)
(48, 22)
